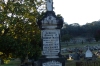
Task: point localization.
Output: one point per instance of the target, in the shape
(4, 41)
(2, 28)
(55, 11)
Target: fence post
(0, 61)
(78, 63)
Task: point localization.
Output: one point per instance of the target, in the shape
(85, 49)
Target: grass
(15, 62)
(68, 62)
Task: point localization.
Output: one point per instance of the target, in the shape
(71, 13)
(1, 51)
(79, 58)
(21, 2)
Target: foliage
(97, 35)
(88, 30)
(66, 38)
(7, 45)
(19, 33)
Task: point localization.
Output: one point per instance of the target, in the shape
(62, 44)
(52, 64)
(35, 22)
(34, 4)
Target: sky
(78, 11)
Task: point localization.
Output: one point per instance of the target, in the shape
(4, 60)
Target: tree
(97, 35)
(7, 45)
(18, 22)
(88, 30)
(65, 38)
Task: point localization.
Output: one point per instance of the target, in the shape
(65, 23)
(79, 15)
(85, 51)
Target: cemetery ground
(69, 49)
(69, 62)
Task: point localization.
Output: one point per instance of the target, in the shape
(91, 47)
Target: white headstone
(88, 53)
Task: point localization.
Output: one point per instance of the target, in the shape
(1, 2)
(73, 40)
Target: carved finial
(49, 5)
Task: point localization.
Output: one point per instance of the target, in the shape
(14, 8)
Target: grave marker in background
(88, 54)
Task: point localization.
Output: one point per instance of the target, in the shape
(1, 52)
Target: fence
(88, 63)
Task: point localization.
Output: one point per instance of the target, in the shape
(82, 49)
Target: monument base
(52, 62)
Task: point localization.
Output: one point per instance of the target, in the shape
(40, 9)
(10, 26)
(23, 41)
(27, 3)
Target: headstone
(76, 56)
(88, 54)
(50, 26)
(76, 50)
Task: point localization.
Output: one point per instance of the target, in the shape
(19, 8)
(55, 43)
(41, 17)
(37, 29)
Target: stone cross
(49, 5)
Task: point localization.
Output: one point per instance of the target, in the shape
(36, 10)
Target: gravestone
(88, 54)
(76, 49)
(50, 26)
(76, 56)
